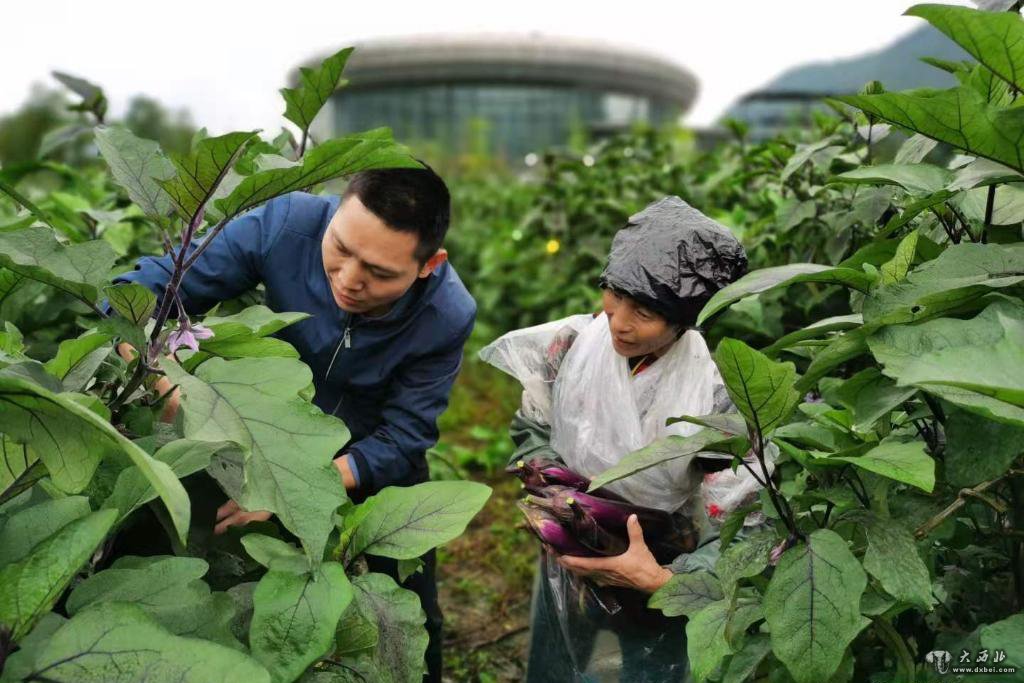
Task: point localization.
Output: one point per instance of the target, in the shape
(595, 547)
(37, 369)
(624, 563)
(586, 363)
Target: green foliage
(82, 447)
(295, 616)
(403, 523)
(812, 605)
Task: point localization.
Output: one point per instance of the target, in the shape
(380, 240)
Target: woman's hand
(231, 514)
(636, 568)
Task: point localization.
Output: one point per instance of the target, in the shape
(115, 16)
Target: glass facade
(510, 119)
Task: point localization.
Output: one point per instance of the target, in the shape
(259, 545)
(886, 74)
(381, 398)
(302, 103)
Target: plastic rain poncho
(672, 259)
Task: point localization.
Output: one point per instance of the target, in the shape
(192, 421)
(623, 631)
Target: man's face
(368, 264)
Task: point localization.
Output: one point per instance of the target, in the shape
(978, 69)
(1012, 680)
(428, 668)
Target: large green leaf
(960, 117)
(745, 558)
(744, 662)
(31, 586)
(996, 39)
(782, 276)
(871, 396)
(77, 359)
(316, 86)
(21, 664)
(168, 589)
(245, 334)
(70, 439)
(200, 173)
(331, 159)
(1008, 636)
(139, 167)
(904, 461)
(401, 638)
(919, 180)
(273, 553)
(119, 643)
(687, 593)
(295, 616)
(961, 273)
(812, 606)
(815, 330)
(662, 450)
(762, 389)
(259, 320)
(289, 444)
(976, 363)
(982, 173)
(78, 269)
(706, 645)
(892, 558)
(27, 527)
(978, 449)
(405, 522)
(183, 456)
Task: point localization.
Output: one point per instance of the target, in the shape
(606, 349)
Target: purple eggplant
(551, 532)
(667, 535)
(540, 472)
(592, 535)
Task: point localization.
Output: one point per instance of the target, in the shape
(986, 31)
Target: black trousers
(424, 584)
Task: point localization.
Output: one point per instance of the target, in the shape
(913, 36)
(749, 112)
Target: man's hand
(162, 384)
(345, 470)
(636, 568)
(230, 514)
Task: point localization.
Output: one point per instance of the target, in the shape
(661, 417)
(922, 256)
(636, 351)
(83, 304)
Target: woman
(599, 387)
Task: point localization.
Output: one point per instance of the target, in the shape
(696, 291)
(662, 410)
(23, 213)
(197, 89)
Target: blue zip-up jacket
(388, 377)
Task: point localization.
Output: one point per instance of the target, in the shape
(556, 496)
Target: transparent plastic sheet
(724, 491)
(598, 413)
(575, 638)
(532, 355)
(601, 412)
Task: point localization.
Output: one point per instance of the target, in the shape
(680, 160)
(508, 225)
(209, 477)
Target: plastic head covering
(672, 258)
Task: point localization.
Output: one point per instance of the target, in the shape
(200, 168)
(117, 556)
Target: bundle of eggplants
(571, 521)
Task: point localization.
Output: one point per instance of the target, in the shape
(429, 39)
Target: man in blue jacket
(388, 320)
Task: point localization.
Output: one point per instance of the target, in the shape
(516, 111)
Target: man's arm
(230, 266)
(408, 426)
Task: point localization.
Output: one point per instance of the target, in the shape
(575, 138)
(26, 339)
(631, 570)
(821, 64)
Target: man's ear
(434, 262)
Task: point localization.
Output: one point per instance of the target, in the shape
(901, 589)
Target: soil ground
(484, 581)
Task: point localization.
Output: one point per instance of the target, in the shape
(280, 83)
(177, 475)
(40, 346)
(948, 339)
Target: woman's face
(636, 330)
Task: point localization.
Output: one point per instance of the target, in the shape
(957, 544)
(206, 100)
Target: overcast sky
(224, 60)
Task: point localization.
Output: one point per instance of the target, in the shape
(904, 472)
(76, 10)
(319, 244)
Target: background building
(513, 94)
(789, 97)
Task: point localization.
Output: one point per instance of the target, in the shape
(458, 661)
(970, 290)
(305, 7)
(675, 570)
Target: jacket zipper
(346, 341)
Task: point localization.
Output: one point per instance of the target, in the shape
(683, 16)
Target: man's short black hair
(412, 200)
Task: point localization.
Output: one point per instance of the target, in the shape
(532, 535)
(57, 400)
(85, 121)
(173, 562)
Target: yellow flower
(553, 246)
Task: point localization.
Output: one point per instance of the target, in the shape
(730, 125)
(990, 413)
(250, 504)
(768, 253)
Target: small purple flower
(777, 551)
(187, 335)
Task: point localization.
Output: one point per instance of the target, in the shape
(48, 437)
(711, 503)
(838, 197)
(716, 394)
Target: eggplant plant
(895, 528)
(83, 452)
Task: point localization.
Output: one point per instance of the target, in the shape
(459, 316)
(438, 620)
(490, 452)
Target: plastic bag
(576, 638)
(725, 491)
(602, 413)
(533, 355)
(673, 258)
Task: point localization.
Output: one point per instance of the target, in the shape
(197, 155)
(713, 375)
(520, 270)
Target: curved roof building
(514, 94)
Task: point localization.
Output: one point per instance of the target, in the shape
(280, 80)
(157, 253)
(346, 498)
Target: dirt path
(484, 581)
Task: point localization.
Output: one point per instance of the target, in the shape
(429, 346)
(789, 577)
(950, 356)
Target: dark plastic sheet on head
(672, 258)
